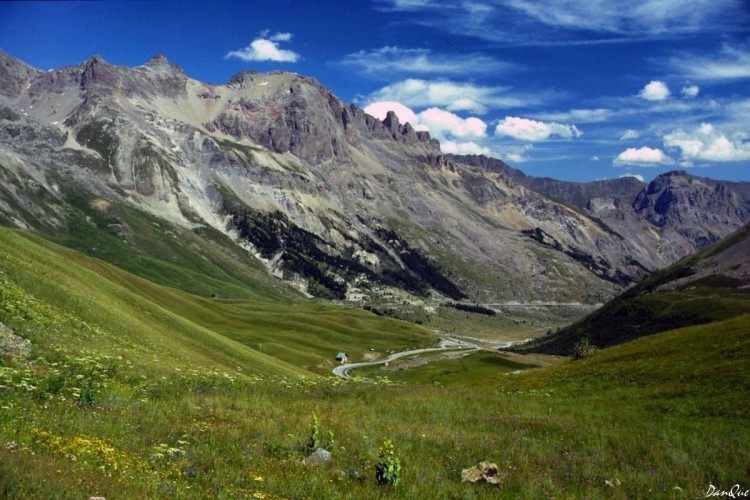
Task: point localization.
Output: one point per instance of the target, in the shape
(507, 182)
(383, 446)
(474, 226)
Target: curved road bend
(461, 345)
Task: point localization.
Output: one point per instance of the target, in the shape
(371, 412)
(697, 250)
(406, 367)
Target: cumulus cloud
(464, 148)
(729, 64)
(443, 123)
(690, 91)
(644, 156)
(389, 60)
(707, 144)
(635, 176)
(629, 134)
(453, 96)
(655, 91)
(266, 48)
(524, 129)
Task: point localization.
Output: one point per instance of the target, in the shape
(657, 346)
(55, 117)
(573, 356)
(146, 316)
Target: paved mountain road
(447, 345)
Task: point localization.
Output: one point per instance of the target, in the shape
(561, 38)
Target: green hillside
(129, 389)
(202, 260)
(708, 286)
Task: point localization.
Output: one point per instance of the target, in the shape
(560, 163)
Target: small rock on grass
(11, 345)
(319, 456)
(485, 472)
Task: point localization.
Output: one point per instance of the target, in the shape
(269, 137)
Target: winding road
(447, 345)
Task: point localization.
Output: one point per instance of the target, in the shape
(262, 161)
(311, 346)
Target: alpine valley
(180, 263)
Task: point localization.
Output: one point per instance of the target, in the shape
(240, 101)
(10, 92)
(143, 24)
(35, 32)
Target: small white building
(342, 358)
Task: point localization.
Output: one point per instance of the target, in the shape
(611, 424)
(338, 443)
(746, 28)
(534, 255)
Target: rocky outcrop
(406, 134)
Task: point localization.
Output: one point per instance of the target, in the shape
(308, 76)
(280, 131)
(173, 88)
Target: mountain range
(274, 169)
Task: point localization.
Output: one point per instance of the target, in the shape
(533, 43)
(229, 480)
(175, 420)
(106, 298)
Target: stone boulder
(11, 345)
(318, 457)
(485, 472)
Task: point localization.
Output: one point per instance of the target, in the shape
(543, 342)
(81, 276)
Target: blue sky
(570, 89)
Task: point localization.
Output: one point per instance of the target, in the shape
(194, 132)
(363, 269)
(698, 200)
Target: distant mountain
(711, 285)
(672, 216)
(145, 167)
(578, 194)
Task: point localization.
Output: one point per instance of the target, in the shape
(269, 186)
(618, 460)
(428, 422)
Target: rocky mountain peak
(158, 60)
(97, 72)
(14, 74)
(161, 64)
(704, 208)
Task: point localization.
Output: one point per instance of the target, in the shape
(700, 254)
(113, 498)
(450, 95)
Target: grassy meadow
(132, 389)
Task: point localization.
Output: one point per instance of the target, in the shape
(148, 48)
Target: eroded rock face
(701, 206)
(14, 75)
(289, 115)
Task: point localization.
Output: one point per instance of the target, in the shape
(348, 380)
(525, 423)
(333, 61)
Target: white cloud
(389, 60)
(406, 4)
(443, 123)
(518, 154)
(655, 91)
(635, 176)
(691, 91)
(729, 64)
(464, 148)
(629, 134)
(707, 144)
(278, 37)
(266, 48)
(737, 113)
(453, 96)
(644, 156)
(622, 17)
(572, 21)
(578, 115)
(524, 129)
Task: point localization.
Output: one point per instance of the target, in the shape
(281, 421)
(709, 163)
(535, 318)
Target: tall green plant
(314, 442)
(388, 468)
